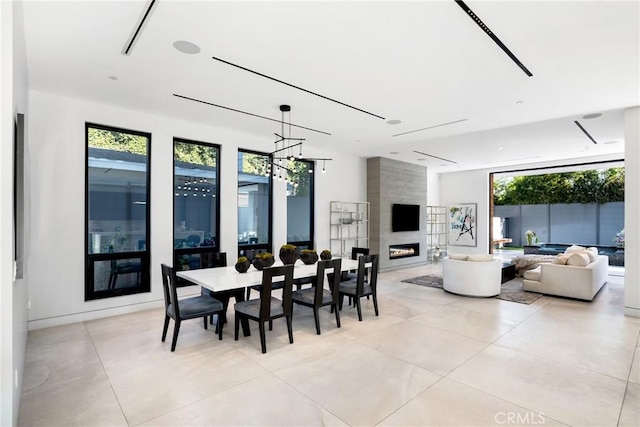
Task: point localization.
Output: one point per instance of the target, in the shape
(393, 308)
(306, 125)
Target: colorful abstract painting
(462, 225)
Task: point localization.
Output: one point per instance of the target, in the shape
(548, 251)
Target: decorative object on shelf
(531, 237)
(289, 254)
(325, 255)
(346, 220)
(263, 260)
(242, 265)
(462, 225)
(619, 239)
(285, 146)
(309, 256)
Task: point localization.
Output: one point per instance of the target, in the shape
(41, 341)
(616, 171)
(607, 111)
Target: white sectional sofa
(573, 281)
(475, 275)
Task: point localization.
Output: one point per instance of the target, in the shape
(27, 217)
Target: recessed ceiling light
(592, 116)
(113, 77)
(394, 122)
(519, 102)
(394, 152)
(500, 148)
(186, 47)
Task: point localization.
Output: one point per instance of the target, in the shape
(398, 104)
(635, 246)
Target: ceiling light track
(585, 132)
(296, 87)
(492, 35)
(133, 38)
(435, 157)
(430, 127)
(247, 113)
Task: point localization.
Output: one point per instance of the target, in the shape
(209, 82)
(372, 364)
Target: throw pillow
(458, 257)
(592, 252)
(480, 257)
(561, 259)
(573, 249)
(578, 260)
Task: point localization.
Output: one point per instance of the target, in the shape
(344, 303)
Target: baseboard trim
(92, 315)
(632, 312)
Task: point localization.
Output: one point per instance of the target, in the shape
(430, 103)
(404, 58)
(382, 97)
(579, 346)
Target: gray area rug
(510, 291)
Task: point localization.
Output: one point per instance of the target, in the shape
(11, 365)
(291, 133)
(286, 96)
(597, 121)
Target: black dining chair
(215, 260)
(318, 296)
(186, 308)
(358, 288)
(267, 308)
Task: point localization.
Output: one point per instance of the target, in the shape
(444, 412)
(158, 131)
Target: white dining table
(227, 278)
(228, 281)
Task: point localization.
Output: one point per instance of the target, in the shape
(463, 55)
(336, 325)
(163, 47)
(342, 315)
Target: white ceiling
(422, 62)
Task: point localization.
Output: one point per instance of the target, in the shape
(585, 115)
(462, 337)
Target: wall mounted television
(405, 217)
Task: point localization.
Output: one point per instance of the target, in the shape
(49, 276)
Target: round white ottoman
(472, 278)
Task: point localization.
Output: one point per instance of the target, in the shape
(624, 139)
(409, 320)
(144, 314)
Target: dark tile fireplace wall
(388, 182)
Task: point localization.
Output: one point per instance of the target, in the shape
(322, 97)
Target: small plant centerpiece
(309, 256)
(263, 260)
(289, 254)
(325, 254)
(242, 265)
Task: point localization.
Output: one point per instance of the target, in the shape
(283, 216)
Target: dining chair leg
(263, 340)
(219, 325)
(335, 307)
(375, 303)
(166, 327)
(359, 307)
(290, 328)
(176, 330)
(205, 322)
(317, 319)
(340, 301)
(237, 328)
(270, 325)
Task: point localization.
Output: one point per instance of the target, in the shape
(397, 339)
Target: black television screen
(405, 217)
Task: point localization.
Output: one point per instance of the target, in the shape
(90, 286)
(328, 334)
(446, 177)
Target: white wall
(469, 187)
(13, 295)
(57, 168)
(631, 209)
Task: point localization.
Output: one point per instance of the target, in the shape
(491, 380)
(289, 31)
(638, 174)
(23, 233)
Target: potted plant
(289, 254)
(263, 260)
(242, 265)
(309, 256)
(531, 237)
(325, 254)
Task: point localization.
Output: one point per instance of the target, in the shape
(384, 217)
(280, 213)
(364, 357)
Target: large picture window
(254, 202)
(196, 203)
(300, 203)
(117, 212)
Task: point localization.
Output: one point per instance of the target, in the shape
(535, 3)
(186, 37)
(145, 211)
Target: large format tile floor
(430, 359)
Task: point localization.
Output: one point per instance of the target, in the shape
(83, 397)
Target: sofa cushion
(480, 257)
(573, 249)
(459, 257)
(533, 274)
(592, 253)
(578, 259)
(561, 259)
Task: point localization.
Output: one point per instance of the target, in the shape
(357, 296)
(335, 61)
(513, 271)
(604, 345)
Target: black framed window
(117, 211)
(300, 203)
(196, 203)
(254, 202)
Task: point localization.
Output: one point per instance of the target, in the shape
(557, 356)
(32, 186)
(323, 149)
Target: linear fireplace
(404, 251)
